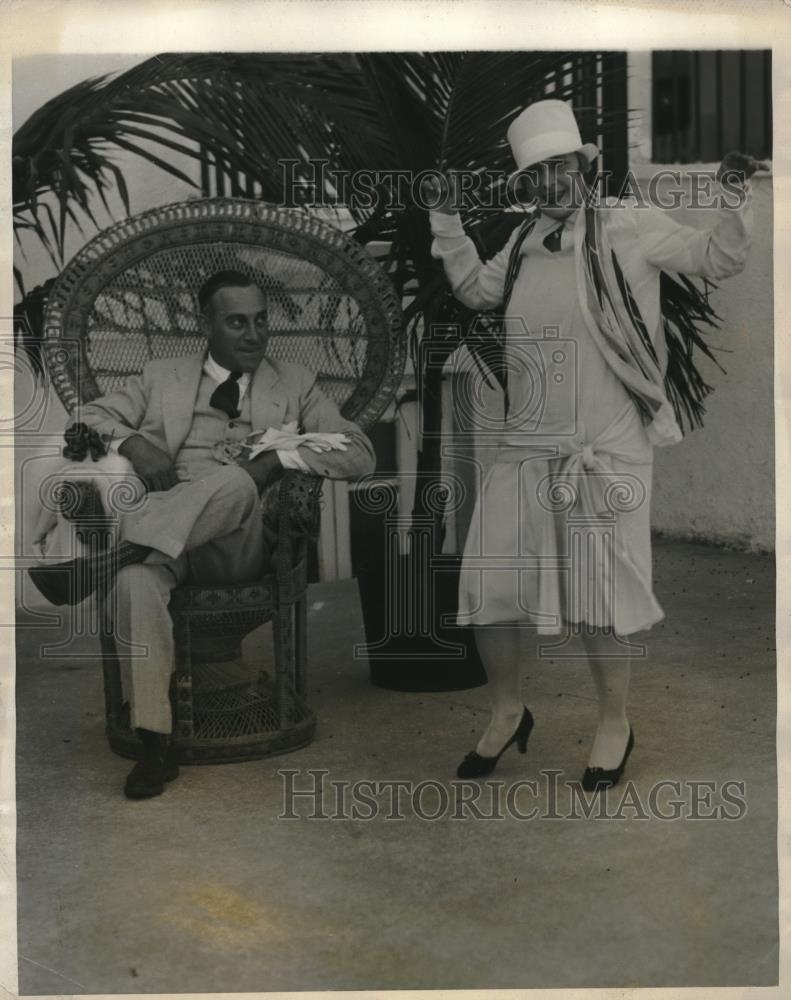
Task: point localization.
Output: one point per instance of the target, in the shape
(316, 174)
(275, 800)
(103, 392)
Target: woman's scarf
(638, 357)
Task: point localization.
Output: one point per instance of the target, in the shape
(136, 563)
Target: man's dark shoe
(147, 778)
(72, 581)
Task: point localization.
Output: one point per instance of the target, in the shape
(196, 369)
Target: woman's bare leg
(611, 670)
(501, 649)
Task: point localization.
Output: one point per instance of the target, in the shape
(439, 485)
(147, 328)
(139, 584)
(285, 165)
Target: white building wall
(718, 484)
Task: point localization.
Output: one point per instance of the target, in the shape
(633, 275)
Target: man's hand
(264, 469)
(153, 466)
(738, 167)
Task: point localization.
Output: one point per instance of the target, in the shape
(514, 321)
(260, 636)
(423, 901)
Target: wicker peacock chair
(129, 296)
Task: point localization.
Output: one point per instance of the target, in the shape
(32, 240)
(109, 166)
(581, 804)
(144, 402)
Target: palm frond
(685, 310)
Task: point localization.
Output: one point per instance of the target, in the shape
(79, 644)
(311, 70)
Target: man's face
(236, 328)
(555, 185)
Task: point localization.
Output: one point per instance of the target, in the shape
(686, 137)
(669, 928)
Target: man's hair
(222, 279)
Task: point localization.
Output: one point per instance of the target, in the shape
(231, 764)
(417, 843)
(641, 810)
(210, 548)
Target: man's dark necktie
(226, 396)
(552, 240)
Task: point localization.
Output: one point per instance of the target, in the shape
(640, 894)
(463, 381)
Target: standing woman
(585, 405)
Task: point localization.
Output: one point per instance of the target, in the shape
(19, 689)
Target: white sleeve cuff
(116, 443)
(443, 224)
(741, 192)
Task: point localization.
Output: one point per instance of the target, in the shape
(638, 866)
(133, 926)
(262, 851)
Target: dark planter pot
(404, 599)
(443, 658)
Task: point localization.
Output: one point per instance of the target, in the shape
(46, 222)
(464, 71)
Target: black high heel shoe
(476, 766)
(598, 778)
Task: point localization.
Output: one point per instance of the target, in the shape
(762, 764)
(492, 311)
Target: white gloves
(288, 439)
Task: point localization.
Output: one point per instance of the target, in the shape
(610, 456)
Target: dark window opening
(706, 104)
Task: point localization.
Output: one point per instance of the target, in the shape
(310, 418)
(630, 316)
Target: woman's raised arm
(716, 252)
(477, 284)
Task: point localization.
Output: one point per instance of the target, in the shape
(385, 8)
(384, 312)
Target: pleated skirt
(546, 548)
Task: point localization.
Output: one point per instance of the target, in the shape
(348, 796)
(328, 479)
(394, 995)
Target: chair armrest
(299, 511)
(291, 509)
(291, 514)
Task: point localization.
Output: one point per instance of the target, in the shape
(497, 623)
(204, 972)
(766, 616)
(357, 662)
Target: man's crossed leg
(207, 531)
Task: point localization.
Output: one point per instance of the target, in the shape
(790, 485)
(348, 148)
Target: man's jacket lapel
(178, 399)
(268, 399)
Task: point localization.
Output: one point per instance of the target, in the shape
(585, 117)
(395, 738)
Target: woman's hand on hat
(738, 167)
(440, 195)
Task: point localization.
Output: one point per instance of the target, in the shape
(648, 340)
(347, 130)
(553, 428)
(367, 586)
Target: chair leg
(283, 638)
(300, 646)
(183, 721)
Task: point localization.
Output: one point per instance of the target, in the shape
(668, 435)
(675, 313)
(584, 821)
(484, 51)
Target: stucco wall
(718, 483)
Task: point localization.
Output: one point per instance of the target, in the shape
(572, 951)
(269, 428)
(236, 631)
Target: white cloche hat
(544, 129)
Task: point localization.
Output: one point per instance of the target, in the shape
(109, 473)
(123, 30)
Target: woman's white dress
(561, 527)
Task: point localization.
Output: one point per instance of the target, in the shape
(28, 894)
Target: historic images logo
(312, 795)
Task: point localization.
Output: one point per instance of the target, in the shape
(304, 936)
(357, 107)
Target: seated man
(201, 521)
